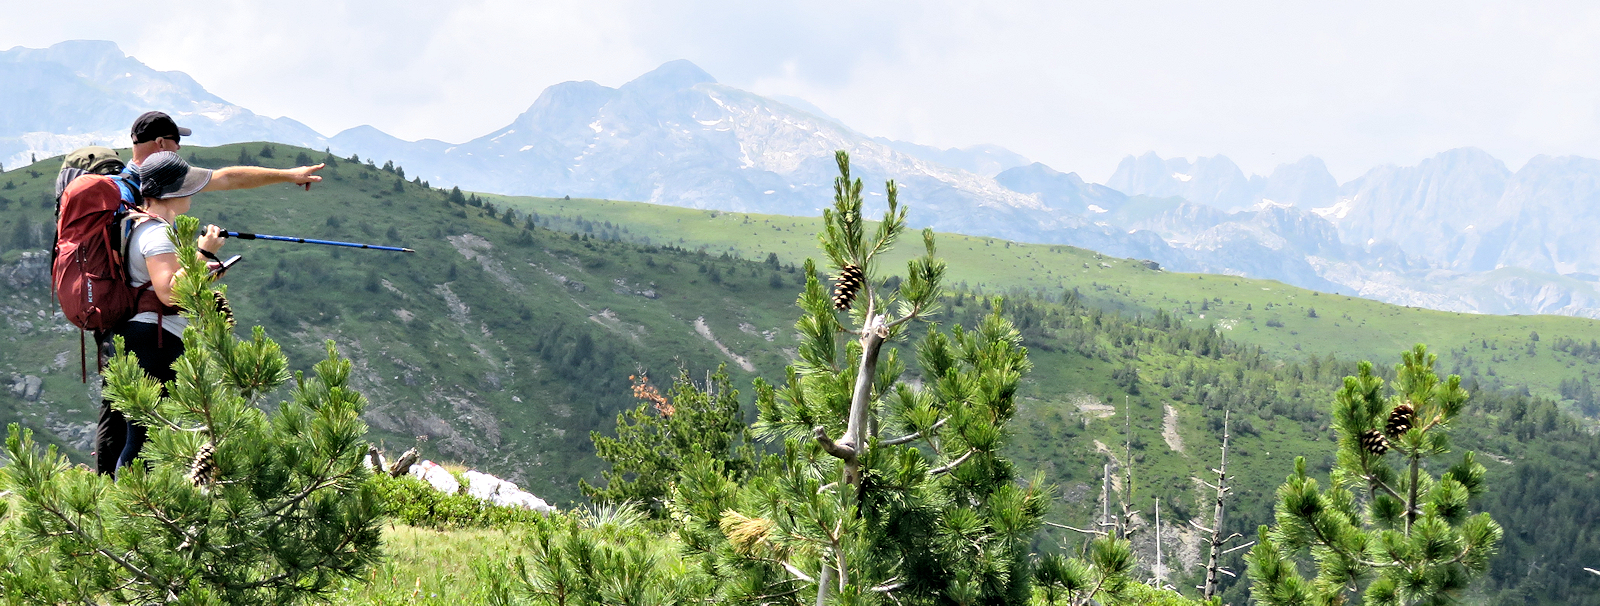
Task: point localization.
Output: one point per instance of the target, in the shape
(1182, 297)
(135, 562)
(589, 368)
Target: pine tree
(605, 555)
(665, 432)
(1108, 571)
(227, 505)
(912, 502)
(1390, 536)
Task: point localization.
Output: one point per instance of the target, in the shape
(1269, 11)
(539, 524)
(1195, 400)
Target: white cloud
(1076, 85)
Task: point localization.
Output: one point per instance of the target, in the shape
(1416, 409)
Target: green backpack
(91, 160)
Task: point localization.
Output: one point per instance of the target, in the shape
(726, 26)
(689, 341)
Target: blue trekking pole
(249, 236)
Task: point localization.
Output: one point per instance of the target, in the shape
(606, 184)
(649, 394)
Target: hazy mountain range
(88, 92)
(1459, 231)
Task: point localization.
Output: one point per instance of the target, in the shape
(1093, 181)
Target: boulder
(440, 478)
(26, 387)
(505, 494)
(481, 486)
(30, 271)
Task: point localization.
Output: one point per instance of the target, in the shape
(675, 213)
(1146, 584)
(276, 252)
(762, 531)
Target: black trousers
(118, 440)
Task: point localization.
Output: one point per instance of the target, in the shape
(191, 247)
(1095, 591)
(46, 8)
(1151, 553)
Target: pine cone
(224, 308)
(849, 281)
(204, 469)
(1374, 442)
(1400, 420)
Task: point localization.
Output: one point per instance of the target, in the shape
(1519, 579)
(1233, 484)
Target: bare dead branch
(840, 451)
(952, 465)
(913, 435)
(1082, 530)
(1233, 549)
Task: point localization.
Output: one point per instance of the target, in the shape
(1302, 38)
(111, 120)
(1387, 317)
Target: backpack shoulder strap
(127, 222)
(130, 193)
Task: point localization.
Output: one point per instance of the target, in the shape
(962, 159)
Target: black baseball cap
(155, 125)
(166, 175)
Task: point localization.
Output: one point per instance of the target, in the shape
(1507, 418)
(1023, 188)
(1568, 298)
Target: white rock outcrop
(482, 486)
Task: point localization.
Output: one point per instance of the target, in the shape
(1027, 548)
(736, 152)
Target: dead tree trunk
(1125, 525)
(853, 443)
(1160, 568)
(1105, 499)
(1213, 567)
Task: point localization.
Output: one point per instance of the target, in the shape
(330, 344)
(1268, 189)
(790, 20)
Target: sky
(1076, 85)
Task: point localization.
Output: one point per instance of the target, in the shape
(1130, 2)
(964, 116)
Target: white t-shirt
(149, 239)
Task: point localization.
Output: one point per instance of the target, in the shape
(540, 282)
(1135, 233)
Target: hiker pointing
(115, 265)
(156, 132)
(155, 332)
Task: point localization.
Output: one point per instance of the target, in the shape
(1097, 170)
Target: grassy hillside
(505, 340)
(1276, 316)
(492, 344)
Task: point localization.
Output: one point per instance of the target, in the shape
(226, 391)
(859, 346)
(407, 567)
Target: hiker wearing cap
(167, 184)
(156, 132)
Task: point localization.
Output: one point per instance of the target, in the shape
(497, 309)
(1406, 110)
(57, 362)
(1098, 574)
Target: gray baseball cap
(166, 175)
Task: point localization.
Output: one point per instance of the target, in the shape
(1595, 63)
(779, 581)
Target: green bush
(226, 504)
(411, 501)
(1145, 595)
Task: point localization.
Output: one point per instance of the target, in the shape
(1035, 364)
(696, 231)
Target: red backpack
(95, 215)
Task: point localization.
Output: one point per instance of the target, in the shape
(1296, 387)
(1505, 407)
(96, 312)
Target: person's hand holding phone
(217, 269)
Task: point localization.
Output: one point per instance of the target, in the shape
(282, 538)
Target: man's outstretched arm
(248, 177)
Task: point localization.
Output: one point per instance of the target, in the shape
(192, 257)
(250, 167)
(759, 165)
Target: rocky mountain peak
(107, 89)
(558, 105)
(1305, 183)
(1065, 192)
(83, 56)
(671, 77)
(1214, 180)
(1219, 182)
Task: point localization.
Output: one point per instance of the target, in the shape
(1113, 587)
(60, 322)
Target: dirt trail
(704, 330)
(1169, 429)
(1091, 406)
(476, 248)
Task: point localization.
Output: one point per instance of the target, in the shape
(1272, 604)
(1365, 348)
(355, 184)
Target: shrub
(413, 502)
(227, 504)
